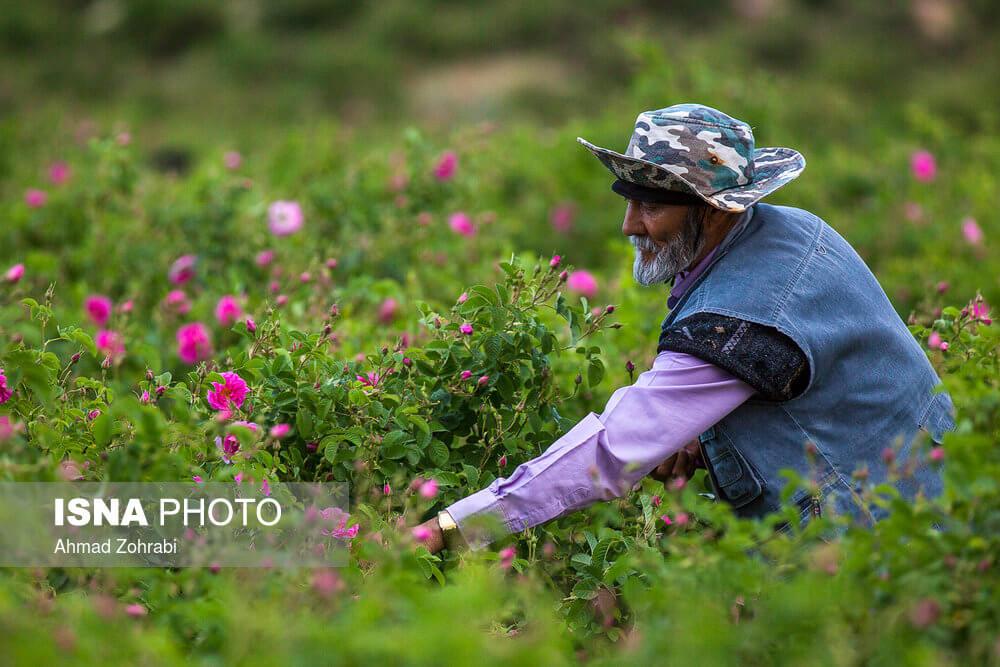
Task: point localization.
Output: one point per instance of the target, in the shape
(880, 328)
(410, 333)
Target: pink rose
(229, 394)
(14, 273)
(35, 198)
(58, 173)
(284, 218)
(98, 308)
(923, 166)
(582, 282)
(194, 343)
(232, 160)
(182, 270)
(227, 311)
(461, 223)
(110, 344)
(446, 166)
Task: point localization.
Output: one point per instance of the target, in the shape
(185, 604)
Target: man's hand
(428, 530)
(681, 464)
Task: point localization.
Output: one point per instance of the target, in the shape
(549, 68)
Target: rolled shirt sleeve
(601, 457)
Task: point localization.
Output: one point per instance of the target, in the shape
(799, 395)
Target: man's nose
(632, 225)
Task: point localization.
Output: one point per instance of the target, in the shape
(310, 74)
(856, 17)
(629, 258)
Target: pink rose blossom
(503, 461)
(14, 273)
(5, 392)
(6, 428)
(229, 394)
(507, 557)
(466, 375)
(110, 344)
(227, 311)
(980, 311)
(326, 582)
(446, 166)
(971, 231)
(483, 380)
(923, 166)
(264, 257)
(656, 501)
(305, 277)
(331, 263)
(232, 160)
(93, 414)
(582, 282)
(387, 310)
(682, 519)
(194, 343)
(284, 218)
(370, 381)
(58, 173)
(429, 488)
(124, 139)
(466, 329)
(265, 488)
(182, 270)
(279, 431)
(666, 519)
(554, 262)
(282, 299)
(461, 223)
(464, 297)
(937, 454)
(177, 301)
(197, 479)
(912, 211)
(334, 516)
(144, 399)
(386, 490)
(230, 444)
(135, 610)
(35, 198)
(934, 341)
(98, 308)
(421, 533)
(561, 217)
(251, 325)
(126, 307)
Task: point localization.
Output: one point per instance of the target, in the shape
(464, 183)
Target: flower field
(417, 311)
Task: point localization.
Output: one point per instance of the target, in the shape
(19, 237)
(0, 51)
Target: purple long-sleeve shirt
(601, 457)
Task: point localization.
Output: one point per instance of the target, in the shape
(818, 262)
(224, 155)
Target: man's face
(665, 240)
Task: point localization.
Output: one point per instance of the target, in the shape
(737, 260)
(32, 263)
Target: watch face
(446, 522)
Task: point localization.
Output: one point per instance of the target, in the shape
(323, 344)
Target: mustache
(644, 243)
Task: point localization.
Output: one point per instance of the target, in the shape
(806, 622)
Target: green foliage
(364, 361)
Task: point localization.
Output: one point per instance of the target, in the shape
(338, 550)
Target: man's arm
(642, 424)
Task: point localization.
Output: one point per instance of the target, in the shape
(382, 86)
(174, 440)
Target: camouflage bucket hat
(699, 150)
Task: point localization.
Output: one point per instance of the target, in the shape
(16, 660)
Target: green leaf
(304, 423)
(438, 452)
(486, 293)
(420, 423)
(101, 429)
(331, 447)
(595, 372)
(471, 474)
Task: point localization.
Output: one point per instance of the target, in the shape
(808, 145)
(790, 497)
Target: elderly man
(780, 348)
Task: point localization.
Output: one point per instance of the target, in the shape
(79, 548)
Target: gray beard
(669, 259)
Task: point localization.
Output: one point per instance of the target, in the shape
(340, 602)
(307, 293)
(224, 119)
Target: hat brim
(773, 168)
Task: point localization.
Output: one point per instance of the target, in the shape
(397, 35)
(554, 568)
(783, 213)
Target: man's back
(869, 381)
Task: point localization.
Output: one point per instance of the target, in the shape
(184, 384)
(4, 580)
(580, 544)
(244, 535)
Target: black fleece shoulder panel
(763, 357)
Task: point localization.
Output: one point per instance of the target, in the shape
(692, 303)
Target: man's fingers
(681, 464)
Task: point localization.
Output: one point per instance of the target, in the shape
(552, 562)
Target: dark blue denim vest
(870, 383)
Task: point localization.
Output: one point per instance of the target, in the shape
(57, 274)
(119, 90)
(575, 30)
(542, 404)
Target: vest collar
(720, 251)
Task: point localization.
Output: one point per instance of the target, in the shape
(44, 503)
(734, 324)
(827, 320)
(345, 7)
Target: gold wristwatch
(449, 529)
